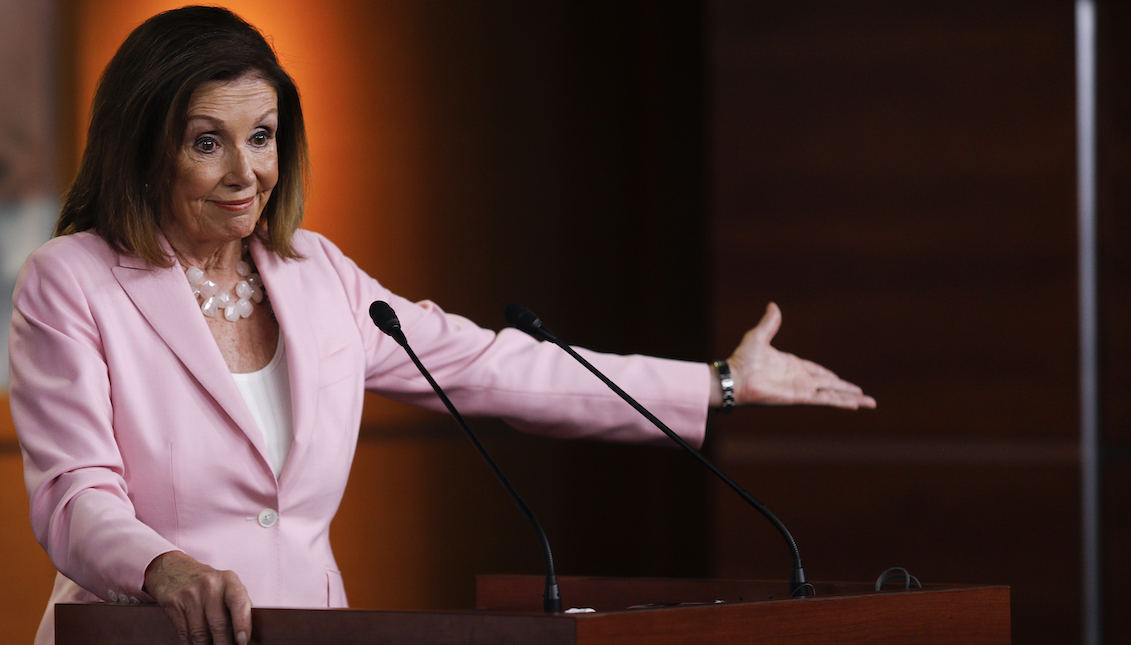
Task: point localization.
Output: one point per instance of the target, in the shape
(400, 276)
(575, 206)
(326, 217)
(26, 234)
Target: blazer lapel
(283, 281)
(164, 298)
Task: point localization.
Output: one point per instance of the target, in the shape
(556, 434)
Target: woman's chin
(242, 225)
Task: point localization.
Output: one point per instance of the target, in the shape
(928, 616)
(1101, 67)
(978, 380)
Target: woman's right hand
(199, 600)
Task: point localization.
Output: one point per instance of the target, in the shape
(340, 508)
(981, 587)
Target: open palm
(763, 375)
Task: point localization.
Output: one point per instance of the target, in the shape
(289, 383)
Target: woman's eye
(206, 144)
(260, 138)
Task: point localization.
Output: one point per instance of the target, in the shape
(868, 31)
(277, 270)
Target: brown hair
(138, 120)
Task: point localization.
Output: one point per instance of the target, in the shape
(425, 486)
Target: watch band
(727, 383)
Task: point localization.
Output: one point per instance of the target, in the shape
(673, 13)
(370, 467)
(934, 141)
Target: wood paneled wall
(1114, 241)
(901, 179)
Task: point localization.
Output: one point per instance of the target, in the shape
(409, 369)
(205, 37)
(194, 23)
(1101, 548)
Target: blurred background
(898, 177)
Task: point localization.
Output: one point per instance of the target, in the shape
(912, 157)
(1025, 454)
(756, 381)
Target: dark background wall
(564, 154)
(900, 179)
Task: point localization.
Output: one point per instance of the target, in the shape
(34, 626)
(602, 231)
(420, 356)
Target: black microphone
(524, 319)
(386, 320)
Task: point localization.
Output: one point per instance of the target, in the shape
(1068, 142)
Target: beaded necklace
(214, 302)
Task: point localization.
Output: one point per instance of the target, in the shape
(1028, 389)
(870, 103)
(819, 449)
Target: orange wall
(28, 573)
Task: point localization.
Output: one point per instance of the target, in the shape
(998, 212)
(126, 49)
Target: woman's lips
(235, 205)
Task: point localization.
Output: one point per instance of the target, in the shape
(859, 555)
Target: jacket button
(268, 517)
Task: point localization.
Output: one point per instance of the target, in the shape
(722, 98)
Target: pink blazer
(136, 441)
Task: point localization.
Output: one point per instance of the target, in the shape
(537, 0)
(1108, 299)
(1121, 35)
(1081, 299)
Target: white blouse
(267, 393)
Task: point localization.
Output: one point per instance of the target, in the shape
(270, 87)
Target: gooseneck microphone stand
(524, 319)
(386, 320)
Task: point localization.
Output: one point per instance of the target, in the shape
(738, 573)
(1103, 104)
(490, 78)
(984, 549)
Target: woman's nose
(240, 169)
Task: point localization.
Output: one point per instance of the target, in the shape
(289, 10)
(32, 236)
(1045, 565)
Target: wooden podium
(634, 611)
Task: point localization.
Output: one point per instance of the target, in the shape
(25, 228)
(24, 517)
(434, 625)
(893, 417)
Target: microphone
(386, 320)
(525, 320)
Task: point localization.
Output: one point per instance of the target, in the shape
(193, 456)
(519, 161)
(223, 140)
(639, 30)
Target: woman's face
(227, 164)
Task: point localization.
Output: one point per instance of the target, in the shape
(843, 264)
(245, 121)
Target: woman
(187, 365)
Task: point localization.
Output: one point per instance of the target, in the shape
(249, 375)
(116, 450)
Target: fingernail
(241, 638)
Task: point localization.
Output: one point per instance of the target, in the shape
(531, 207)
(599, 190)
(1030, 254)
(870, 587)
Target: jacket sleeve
(60, 399)
(533, 386)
